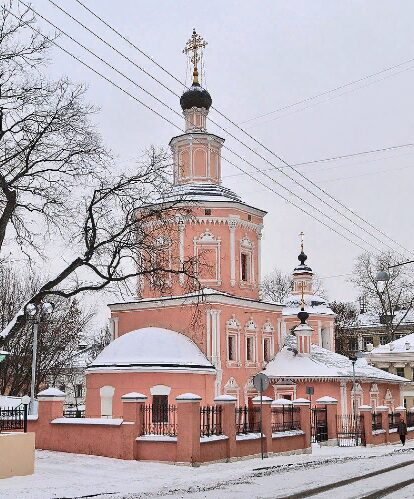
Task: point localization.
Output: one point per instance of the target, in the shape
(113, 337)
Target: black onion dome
(303, 316)
(302, 258)
(302, 267)
(195, 96)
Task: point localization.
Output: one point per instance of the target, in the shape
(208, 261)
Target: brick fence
(127, 437)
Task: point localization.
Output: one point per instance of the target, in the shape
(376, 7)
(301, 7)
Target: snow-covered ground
(61, 475)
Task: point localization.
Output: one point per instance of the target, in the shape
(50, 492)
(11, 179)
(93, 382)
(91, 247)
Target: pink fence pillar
(50, 404)
(266, 421)
(366, 413)
(228, 422)
(304, 416)
(132, 404)
(331, 405)
(188, 434)
(384, 410)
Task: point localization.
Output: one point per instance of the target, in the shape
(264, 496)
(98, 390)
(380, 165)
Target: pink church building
(213, 342)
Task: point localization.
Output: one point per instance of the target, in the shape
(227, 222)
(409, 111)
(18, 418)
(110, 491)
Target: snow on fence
(285, 418)
(159, 420)
(210, 421)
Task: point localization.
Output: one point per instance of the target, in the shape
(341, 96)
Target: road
(329, 472)
(370, 477)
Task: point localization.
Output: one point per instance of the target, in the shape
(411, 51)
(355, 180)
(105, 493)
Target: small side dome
(152, 349)
(195, 96)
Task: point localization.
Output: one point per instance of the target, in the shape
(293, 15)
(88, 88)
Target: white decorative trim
(209, 241)
(160, 390)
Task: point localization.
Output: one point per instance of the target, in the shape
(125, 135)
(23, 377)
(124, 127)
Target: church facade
(212, 341)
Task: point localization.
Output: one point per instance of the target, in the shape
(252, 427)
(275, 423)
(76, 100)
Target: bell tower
(302, 274)
(196, 153)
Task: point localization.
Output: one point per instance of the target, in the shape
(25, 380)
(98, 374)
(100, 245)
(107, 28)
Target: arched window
(107, 394)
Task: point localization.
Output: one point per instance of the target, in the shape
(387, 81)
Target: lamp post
(36, 314)
(353, 359)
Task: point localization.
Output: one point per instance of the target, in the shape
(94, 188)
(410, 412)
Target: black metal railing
(247, 420)
(410, 419)
(159, 420)
(13, 419)
(376, 421)
(73, 412)
(210, 421)
(393, 420)
(285, 418)
(350, 430)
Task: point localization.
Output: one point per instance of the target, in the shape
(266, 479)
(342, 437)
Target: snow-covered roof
(404, 344)
(368, 319)
(152, 349)
(321, 363)
(203, 192)
(314, 305)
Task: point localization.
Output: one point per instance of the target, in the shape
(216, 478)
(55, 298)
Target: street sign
(261, 382)
(310, 390)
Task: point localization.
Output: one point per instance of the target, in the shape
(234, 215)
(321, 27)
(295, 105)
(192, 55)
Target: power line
(336, 158)
(226, 147)
(342, 205)
(226, 131)
(330, 91)
(229, 161)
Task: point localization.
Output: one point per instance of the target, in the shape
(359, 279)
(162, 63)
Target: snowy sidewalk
(62, 475)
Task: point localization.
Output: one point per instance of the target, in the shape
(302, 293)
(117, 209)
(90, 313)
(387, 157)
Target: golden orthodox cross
(194, 44)
(301, 240)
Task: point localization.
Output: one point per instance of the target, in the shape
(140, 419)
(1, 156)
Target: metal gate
(319, 425)
(349, 429)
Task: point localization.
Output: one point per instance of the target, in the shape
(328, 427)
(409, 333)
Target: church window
(250, 349)
(399, 371)
(207, 211)
(107, 394)
(160, 408)
(245, 267)
(231, 347)
(383, 340)
(249, 218)
(266, 349)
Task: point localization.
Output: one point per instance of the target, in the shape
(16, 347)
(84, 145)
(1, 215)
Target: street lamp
(36, 314)
(353, 359)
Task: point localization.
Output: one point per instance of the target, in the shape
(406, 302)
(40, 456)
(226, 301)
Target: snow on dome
(150, 349)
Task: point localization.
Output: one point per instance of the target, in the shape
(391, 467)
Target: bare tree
(277, 286)
(346, 320)
(58, 340)
(47, 138)
(116, 236)
(54, 176)
(392, 304)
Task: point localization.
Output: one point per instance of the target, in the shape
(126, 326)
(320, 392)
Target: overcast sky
(262, 56)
